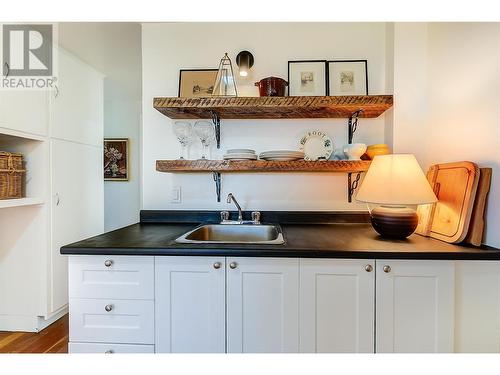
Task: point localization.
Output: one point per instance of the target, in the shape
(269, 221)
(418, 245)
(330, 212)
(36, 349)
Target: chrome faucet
(230, 197)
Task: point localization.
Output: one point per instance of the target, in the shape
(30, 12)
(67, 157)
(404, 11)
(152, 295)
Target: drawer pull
(368, 268)
(108, 263)
(217, 265)
(387, 269)
(108, 308)
(233, 265)
(110, 351)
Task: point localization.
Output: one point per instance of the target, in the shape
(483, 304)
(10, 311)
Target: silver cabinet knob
(108, 262)
(108, 308)
(368, 268)
(110, 351)
(387, 269)
(217, 265)
(233, 265)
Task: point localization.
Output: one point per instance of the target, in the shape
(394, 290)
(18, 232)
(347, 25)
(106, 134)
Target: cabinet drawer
(92, 347)
(118, 277)
(126, 321)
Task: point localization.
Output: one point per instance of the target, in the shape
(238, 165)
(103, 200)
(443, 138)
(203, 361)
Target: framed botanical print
(116, 152)
(348, 77)
(307, 78)
(196, 83)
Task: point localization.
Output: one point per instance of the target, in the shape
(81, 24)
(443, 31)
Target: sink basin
(234, 233)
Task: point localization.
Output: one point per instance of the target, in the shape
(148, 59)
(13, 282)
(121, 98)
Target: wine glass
(205, 131)
(183, 130)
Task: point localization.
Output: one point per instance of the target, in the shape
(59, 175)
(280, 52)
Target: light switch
(175, 195)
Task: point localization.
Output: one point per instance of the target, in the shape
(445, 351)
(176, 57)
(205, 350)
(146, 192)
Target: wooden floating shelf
(276, 107)
(235, 166)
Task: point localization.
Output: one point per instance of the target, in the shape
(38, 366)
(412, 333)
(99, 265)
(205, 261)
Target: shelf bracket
(216, 122)
(352, 125)
(352, 185)
(217, 179)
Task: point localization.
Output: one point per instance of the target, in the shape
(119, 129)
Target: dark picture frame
(191, 80)
(308, 83)
(346, 83)
(116, 159)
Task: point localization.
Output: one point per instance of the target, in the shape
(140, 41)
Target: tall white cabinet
(60, 134)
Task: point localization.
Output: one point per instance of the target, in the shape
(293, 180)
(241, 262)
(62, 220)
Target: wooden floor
(53, 339)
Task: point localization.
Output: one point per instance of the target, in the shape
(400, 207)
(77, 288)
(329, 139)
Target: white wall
(122, 198)
(447, 96)
(170, 47)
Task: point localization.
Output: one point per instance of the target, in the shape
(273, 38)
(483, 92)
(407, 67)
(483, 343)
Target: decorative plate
(316, 145)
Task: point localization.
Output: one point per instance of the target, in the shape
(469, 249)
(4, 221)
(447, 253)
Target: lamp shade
(395, 180)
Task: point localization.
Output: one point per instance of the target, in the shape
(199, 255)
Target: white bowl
(354, 151)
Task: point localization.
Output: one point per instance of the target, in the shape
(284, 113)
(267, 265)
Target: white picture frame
(347, 77)
(307, 78)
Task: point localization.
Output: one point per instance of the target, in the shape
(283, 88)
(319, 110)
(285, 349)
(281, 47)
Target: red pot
(272, 86)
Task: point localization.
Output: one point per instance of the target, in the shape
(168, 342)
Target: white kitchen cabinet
(77, 206)
(337, 303)
(414, 306)
(262, 305)
(25, 110)
(107, 276)
(61, 139)
(189, 304)
(477, 306)
(85, 347)
(77, 102)
(111, 321)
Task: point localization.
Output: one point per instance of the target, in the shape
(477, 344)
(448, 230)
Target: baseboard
(28, 323)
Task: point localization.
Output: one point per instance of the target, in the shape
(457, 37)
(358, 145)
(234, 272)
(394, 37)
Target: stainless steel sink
(234, 233)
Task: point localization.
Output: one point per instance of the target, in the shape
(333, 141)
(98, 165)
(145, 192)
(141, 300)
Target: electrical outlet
(175, 195)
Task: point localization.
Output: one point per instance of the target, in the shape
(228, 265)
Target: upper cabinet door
(337, 302)
(189, 304)
(415, 306)
(262, 305)
(77, 102)
(25, 110)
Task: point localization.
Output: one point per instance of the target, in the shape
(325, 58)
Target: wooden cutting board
(455, 186)
(476, 225)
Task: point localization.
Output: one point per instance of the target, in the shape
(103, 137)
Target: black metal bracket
(216, 122)
(352, 125)
(352, 185)
(217, 179)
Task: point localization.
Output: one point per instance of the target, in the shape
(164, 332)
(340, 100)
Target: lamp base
(394, 222)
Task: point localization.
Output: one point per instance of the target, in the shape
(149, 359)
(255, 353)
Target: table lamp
(393, 186)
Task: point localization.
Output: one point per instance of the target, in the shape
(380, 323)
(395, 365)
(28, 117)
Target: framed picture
(116, 152)
(348, 77)
(196, 83)
(307, 78)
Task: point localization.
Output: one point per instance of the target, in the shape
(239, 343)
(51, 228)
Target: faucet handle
(224, 216)
(256, 217)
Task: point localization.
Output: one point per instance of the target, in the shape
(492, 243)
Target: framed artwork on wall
(348, 77)
(196, 83)
(116, 161)
(307, 78)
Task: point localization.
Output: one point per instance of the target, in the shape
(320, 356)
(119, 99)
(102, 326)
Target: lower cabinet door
(190, 302)
(262, 305)
(88, 347)
(111, 320)
(415, 306)
(337, 306)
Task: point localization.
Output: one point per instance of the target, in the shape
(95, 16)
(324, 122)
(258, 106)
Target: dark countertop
(334, 240)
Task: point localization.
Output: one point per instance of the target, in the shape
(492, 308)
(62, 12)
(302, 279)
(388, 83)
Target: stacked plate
(282, 155)
(240, 154)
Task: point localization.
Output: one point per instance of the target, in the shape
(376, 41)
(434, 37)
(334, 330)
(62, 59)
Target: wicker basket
(11, 175)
